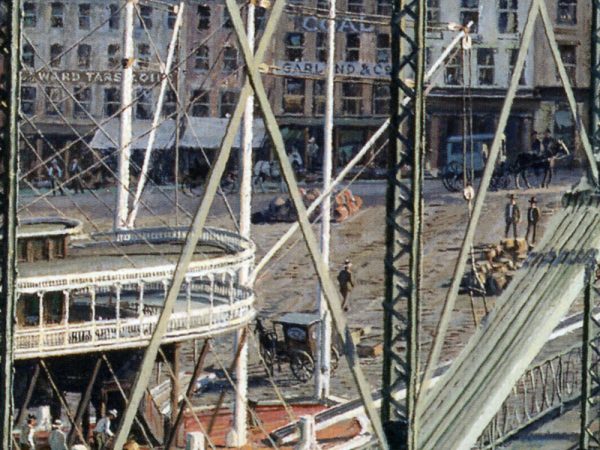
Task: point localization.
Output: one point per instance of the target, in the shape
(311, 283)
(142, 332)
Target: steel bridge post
(404, 212)
(590, 378)
(595, 79)
(9, 87)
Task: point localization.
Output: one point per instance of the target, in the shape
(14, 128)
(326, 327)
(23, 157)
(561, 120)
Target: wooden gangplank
(458, 408)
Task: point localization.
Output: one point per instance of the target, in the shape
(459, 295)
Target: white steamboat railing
(213, 303)
(241, 252)
(208, 315)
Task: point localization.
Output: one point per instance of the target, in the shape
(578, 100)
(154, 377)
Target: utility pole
(323, 372)
(125, 136)
(9, 87)
(238, 436)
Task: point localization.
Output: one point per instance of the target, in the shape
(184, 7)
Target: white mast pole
(238, 435)
(323, 372)
(165, 72)
(125, 134)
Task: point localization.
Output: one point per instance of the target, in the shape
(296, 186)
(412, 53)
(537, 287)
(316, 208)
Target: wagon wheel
(452, 177)
(302, 365)
(335, 359)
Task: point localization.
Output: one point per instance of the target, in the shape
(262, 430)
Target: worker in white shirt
(102, 433)
(57, 439)
(26, 439)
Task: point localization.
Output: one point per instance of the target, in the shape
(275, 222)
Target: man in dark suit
(512, 216)
(533, 217)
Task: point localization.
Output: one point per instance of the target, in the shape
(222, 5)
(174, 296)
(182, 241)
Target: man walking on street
(533, 217)
(57, 439)
(75, 173)
(512, 216)
(55, 175)
(346, 284)
(102, 433)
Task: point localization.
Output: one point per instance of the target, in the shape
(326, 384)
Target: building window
(351, 99)
(227, 103)
(112, 53)
(453, 76)
(381, 99)
(145, 18)
(56, 51)
(112, 101)
(508, 11)
(200, 103)
(28, 55)
(321, 47)
(469, 11)
(230, 59)
(57, 13)
(355, 6)
(485, 66)
(113, 19)
(54, 105)
(84, 56)
(85, 19)
(29, 15)
(566, 13)
(203, 17)
(323, 5)
(383, 48)
(143, 106)
(294, 46)
(226, 19)
(384, 7)
(352, 47)
(433, 12)
(83, 105)
(170, 103)
(319, 97)
(201, 60)
(143, 57)
(512, 61)
(568, 55)
(28, 97)
(293, 95)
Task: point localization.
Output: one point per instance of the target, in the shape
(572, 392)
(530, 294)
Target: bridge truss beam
(404, 206)
(9, 87)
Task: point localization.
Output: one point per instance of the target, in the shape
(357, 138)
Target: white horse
(271, 171)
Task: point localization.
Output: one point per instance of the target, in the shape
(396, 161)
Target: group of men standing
(512, 217)
(57, 439)
(55, 176)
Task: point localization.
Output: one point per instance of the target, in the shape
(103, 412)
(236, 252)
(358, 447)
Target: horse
(271, 171)
(544, 162)
(195, 176)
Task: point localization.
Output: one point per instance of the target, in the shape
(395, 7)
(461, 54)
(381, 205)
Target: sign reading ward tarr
(351, 69)
(88, 77)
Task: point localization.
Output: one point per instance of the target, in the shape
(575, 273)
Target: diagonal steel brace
(329, 290)
(214, 177)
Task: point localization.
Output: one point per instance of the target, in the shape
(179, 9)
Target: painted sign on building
(314, 24)
(352, 69)
(88, 76)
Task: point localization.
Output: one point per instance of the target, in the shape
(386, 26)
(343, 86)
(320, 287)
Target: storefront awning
(108, 136)
(208, 132)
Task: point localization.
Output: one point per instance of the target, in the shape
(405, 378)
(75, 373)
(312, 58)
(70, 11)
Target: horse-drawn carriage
(293, 340)
(525, 165)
